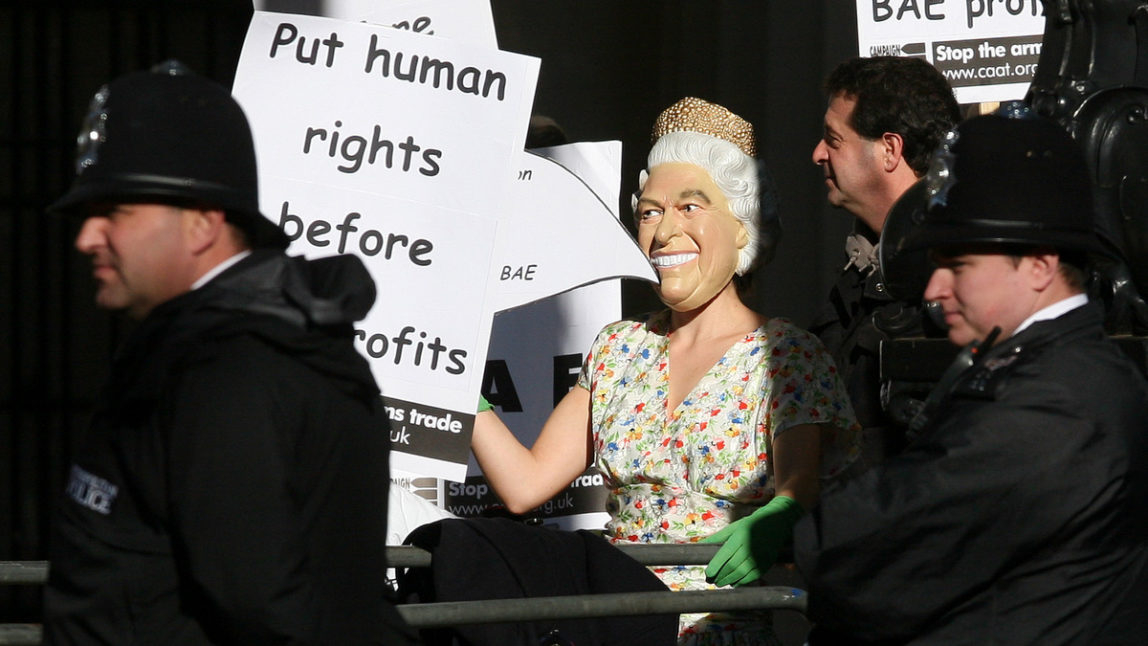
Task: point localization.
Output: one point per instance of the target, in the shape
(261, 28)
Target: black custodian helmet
(1001, 180)
(170, 136)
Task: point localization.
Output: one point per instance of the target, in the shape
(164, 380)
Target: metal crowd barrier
(443, 614)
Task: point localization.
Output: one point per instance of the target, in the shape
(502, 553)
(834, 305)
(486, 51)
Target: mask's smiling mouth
(672, 260)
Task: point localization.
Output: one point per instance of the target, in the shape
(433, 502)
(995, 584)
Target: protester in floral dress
(705, 418)
(678, 476)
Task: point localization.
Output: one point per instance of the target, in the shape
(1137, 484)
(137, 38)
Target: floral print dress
(681, 475)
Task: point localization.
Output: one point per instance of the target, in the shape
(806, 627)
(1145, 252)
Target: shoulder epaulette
(987, 377)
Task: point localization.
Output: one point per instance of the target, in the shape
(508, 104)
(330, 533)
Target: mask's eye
(646, 215)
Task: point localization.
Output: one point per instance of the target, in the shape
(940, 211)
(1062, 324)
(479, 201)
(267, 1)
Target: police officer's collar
(220, 268)
(1056, 310)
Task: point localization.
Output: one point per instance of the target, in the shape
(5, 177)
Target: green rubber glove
(484, 405)
(752, 543)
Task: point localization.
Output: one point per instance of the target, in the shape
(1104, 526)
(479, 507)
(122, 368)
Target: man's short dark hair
(902, 95)
(1073, 265)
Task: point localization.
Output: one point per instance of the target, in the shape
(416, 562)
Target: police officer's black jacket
(232, 487)
(1016, 517)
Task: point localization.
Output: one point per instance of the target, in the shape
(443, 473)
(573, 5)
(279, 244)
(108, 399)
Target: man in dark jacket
(885, 117)
(232, 487)
(1016, 516)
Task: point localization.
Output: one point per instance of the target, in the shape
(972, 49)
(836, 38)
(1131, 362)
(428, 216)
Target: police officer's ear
(1043, 268)
(892, 151)
(205, 228)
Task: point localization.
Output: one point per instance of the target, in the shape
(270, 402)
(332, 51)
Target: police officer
(232, 487)
(1017, 514)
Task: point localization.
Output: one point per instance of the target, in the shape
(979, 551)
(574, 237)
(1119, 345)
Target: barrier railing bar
(658, 554)
(20, 635)
(23, 572)
(407, 556)
(671, 553)
(36, 572)
(493, 611)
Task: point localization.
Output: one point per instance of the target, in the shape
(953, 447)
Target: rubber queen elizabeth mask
(687, 224)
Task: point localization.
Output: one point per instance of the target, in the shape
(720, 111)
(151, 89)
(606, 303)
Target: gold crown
(692, 114)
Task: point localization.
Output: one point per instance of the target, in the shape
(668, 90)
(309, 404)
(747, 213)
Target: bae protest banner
(569, 214)
(987, 49)
(536, 350)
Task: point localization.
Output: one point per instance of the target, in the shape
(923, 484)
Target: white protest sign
(525, 386)
(398, 148)
(463, 20)
(558, 234)
(987, 49)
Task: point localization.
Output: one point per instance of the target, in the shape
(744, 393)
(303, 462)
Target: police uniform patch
(91, 491)
(987, 377)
